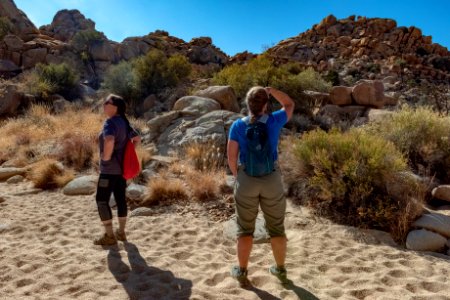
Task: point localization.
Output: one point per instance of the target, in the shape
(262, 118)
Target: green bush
(348, 177)
(83, 40)
(289, 78)
(5, 27)
(155, 71)
(53, 79)
(422, 135)
(120, 79)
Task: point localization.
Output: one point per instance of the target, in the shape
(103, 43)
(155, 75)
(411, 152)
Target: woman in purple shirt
(112, 141)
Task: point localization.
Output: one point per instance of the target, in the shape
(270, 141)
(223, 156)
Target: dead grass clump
(204, 186)
(76, 151)
(165, 190)
(49, 174)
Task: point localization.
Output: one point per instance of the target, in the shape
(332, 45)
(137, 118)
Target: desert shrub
(83, 40)
(5, 27)
(121, 80)
(155, 71)
(348, 177)
(165, 190)
(422, 135)
(49, 174)
(50, 79)
(332, 77)
(262, 71)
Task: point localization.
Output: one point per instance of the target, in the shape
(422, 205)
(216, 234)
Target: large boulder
(10, 100)
(103, 51)
(442, 192)
(223, 94)
(424, 240)
(211, 127)
(6, 173)
(136, 192)
(369, 93)
(8, 68)
(436, 222)
(158, 124)
(196, 106)
(13, 42)
(341, 95)
(84, 185)
(32, 57)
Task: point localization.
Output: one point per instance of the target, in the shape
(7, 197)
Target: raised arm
(285, 101)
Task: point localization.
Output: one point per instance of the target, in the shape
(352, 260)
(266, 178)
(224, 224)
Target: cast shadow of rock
(142, 281)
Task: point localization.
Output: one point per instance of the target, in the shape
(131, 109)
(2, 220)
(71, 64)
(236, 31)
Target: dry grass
(49, 174)
(165, 190)
(76, 151)
(204, 186)
(70, 137)
(205, 156)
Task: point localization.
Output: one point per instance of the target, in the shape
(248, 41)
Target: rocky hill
(345, 50)
(367, 47)
(24, 45)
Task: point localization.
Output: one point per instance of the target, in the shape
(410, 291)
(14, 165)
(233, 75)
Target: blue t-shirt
(274, 124)
(116, 127)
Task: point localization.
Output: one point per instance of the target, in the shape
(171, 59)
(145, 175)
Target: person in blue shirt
(112, 141)
(266, 191)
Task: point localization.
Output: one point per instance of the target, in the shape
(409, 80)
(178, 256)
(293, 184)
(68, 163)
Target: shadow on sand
(142, 281)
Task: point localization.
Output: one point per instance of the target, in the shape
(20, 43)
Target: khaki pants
(267, 192)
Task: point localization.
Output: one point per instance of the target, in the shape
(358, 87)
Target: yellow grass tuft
(164, 190)
(49, 174)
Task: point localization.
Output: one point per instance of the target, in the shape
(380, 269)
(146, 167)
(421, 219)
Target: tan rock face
(369, 93)
(341, 95)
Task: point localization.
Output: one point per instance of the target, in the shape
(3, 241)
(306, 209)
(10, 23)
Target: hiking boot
(120, 235)
(240, 275)
(279, 272)
(105, 240)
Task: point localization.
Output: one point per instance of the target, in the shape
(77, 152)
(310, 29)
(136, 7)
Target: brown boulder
(13, 42)
(369, 93)
(34, 56)
(10, 100)
(223, 94)
(103, 51)
(341, 95)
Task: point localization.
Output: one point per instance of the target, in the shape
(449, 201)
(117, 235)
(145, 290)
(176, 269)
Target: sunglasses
(108, 102)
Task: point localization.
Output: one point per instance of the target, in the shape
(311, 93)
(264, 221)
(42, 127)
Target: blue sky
(238, 25)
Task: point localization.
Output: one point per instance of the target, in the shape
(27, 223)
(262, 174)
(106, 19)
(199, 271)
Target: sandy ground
(46, 252)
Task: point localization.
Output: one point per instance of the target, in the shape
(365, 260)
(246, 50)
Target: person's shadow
(145, 282)
(301, 293)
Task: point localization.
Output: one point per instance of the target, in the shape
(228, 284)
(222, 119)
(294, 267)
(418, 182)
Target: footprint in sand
(24, 282)
(216, 279)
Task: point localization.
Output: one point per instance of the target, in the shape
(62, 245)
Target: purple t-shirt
(116, 127)
(275, 123)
